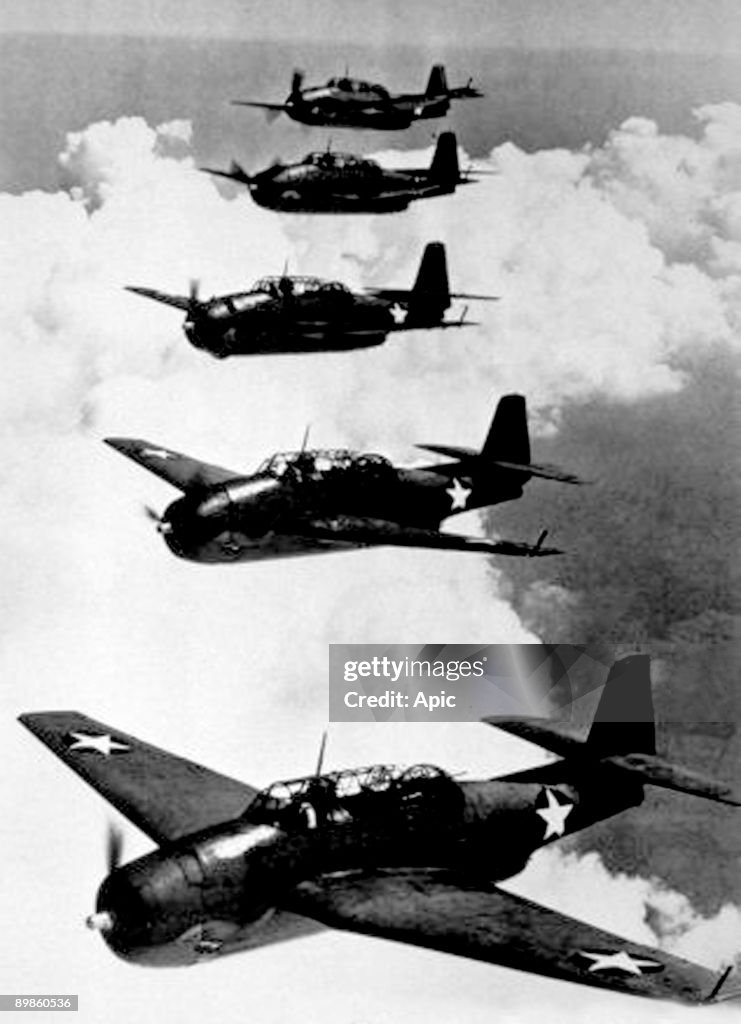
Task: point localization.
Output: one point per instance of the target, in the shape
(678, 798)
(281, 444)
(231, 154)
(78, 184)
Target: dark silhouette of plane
(314, 501)
(305, 314)
(346, 102)
(331, 182)
(412, 855)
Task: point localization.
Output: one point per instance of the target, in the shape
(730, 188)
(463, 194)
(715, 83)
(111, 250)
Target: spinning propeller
(102, 920)
(163, 526)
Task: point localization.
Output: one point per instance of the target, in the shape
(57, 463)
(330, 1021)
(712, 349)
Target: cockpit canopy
(354, 793)
(327, 160)
(355, 85)
(317, 463)
(283, 285)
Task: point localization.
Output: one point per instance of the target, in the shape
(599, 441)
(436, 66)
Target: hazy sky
(712, 26)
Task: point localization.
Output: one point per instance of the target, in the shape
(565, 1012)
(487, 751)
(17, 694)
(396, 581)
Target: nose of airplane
(101, 921)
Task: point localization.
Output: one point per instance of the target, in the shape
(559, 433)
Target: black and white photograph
(418, 327)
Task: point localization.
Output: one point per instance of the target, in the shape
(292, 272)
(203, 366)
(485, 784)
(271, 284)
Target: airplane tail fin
(437, 83)
(445, 169)
(430, 294)
(623, 735)
(507, 446)
(508, 439)
(624, 720)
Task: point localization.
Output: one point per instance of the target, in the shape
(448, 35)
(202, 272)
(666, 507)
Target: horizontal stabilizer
(655, 771)
(540, 732)
(531, 469)
(544, 472)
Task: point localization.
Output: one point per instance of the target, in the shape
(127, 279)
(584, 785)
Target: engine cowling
(182, 902)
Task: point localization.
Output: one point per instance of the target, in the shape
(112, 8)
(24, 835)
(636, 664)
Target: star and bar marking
(459, 494)
(554, 815)
(620, 961)
(103, 744)
(158, 453)
(398, 313)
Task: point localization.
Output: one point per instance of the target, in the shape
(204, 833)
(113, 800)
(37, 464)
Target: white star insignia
(621, 961)
(158, 453)
(459, 494)
(398, 313)
(104, 745)
(554, 815)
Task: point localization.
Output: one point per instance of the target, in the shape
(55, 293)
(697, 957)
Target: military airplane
(350, 103)
(313, 501)
(305, 314)
(331, 182)
(407, 854)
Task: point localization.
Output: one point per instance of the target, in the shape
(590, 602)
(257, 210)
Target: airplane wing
(275, 107)
(364, 532)
(402, 194)
(439, 910)
(179, 470)
(178, 301)
(403, 295)
(165, 796)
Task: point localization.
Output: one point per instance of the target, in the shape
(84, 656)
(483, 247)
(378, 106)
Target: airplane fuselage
(230, 887)
(330, 107)
(257, 517)
(333, 319)
(306, 189)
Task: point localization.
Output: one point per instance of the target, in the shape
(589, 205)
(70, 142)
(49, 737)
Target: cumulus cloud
(617, 269)
(644, 910)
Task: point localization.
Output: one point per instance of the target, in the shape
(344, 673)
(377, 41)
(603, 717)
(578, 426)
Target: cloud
(643, 910)
(617, 269)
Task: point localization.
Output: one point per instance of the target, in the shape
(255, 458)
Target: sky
(686, 26)
(616, 249)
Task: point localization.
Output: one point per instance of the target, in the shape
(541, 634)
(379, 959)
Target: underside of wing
(277, 107)
(367, 532)
(181, 471)
(165, 796)
(442, 911)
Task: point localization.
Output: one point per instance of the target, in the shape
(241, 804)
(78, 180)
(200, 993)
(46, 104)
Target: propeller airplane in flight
(412, 854)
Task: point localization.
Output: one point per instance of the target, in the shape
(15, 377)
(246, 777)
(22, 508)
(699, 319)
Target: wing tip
(30, 719)
(120, 444)
(727, 985)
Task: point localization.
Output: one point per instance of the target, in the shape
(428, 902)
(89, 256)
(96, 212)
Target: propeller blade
(151, 514)
(194, 288)
(114, 847)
